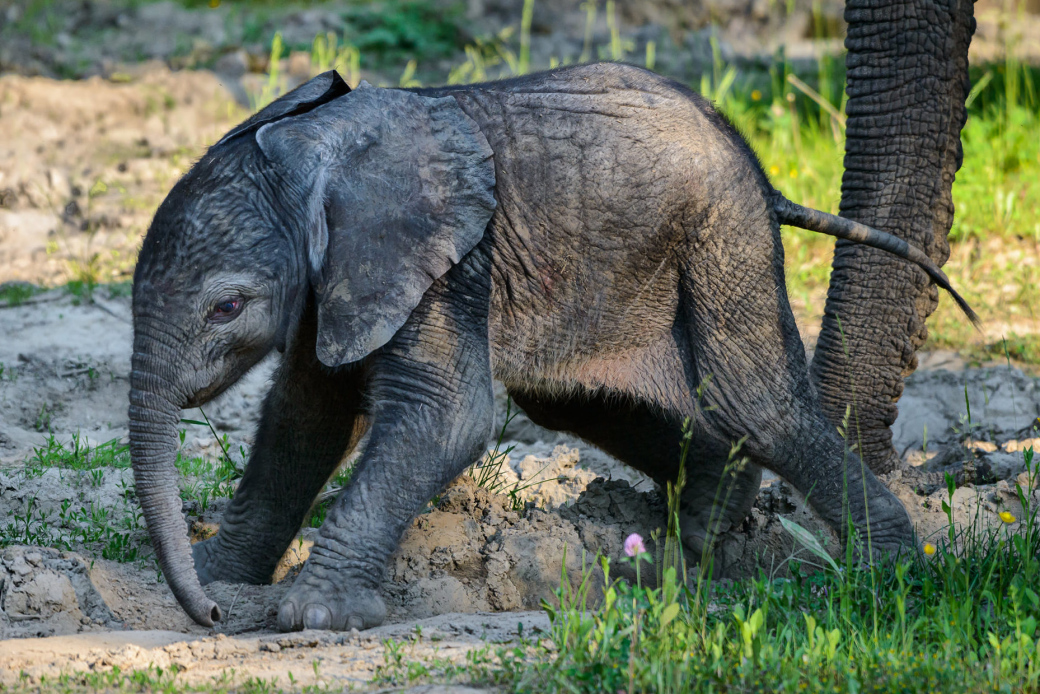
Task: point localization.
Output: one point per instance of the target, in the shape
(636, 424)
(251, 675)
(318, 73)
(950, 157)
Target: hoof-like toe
(317, 617)
(287, 617)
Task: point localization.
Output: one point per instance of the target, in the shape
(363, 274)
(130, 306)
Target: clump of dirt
(44, 592)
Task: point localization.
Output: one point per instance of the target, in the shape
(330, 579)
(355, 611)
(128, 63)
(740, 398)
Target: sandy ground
(468, 570)
(473, 553)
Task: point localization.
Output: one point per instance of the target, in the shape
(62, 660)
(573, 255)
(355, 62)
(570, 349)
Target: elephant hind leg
(742, 334)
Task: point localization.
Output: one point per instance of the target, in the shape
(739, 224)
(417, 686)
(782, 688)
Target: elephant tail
(796, 215)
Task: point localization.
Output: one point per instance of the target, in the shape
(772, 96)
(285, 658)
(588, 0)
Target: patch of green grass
(156, 679)
(206, 480)
(399, 30)
(77, 454)
(17, 293)
(995, 240)
(953, 622)
(114, 533)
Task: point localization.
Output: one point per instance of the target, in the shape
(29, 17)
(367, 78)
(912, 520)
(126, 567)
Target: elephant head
(907, 69)
(355, 201)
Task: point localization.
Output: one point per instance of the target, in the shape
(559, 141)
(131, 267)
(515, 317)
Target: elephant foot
(314, 603)
(713, 508)
(891, 530)
(877, 521)
(213, 563)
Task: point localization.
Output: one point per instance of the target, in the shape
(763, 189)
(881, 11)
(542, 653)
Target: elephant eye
(226, 309)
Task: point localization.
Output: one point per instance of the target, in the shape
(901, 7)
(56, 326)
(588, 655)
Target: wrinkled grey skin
(907, 70)
(595, 237)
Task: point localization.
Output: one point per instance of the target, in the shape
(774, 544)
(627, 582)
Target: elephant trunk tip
(189, 593)
(200, 608)
(209, 616)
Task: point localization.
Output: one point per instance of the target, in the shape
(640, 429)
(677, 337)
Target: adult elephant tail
(796, 215)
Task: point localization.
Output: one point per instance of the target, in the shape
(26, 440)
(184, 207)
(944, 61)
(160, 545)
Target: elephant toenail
(355, 622)
(317, 617)
(287, 617)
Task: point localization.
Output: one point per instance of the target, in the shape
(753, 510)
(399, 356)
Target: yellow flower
(214, 3)
(794, 173)
(756, 95)
(1007, 517)
(774, 170)
(929, 548)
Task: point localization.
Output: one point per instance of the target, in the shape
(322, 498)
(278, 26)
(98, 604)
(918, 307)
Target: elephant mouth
(215, 382)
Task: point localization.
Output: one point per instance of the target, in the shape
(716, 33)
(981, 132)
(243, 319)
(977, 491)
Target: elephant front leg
(432, 416)
(311, 419)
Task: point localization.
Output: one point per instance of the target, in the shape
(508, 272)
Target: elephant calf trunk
(796, 215)
(153, 452)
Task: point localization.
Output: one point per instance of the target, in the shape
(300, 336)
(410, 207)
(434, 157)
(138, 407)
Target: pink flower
(634, 545)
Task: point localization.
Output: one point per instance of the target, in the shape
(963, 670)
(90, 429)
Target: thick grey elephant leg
(311, 419)
(907, 85)
(651, 442)
(742, 333)
(432, 416)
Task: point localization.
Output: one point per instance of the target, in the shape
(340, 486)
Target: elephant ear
(319, 90)
(399, 188)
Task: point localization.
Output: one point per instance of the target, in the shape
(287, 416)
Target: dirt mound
(44, 592)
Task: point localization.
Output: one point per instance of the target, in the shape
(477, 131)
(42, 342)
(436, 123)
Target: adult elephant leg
(642, 436)
(311, 419)
(907, 68)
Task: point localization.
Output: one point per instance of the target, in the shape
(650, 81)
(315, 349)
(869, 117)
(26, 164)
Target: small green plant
(488, 473)
(328, 54)
(30, 526)
(217, 479)
(77, 454)
(17, 293)
(327, 498)
(43, 419)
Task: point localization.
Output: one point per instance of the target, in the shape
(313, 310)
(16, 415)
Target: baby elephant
(596, 237)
